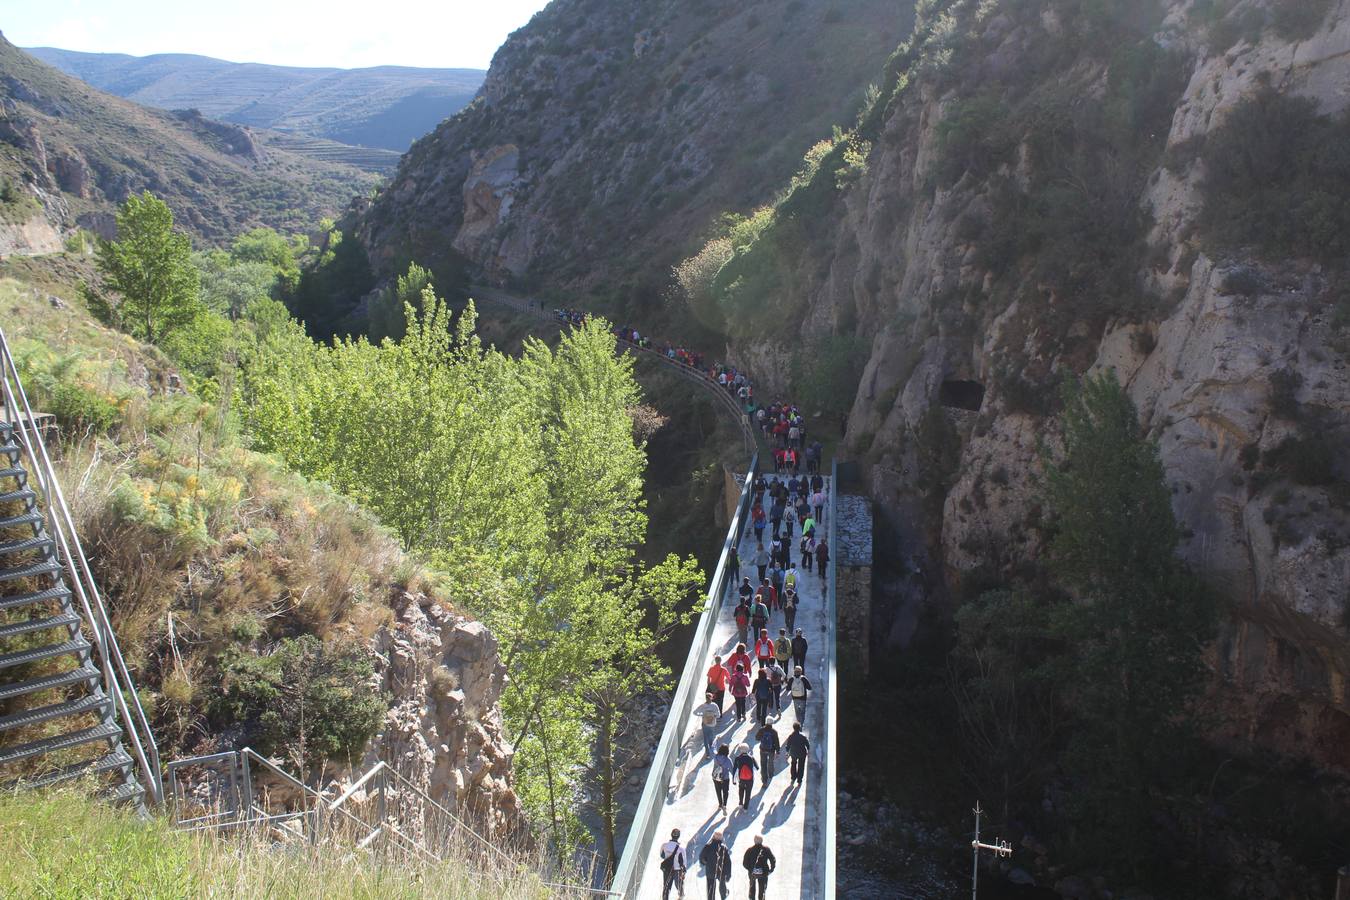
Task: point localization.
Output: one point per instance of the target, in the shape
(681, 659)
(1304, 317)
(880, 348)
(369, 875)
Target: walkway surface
(791, 820)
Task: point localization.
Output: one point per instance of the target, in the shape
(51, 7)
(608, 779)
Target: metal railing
(830, 777)
(381, 810)
(628, 875)
(117, 682)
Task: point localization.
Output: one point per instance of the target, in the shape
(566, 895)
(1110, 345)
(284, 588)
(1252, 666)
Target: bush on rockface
(1277, 176)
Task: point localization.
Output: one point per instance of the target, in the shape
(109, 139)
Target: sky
(342, 33)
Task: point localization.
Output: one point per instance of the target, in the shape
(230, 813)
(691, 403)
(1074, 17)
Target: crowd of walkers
(767, 679)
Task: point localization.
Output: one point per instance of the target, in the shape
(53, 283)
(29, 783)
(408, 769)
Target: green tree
(1137, 620)
(150, 266)
(387, 317)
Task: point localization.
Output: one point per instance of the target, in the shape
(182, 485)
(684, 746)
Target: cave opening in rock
(962, 395)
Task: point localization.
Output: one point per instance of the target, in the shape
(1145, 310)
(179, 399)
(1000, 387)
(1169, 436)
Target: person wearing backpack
(798, 748)
(739, 657)
(759, 862)
(745, 766)
(672, 865)
(822, 557)
(768, 752)
(761, 557)
(782, 648)
(799, 648)
(763, 647)
(721, 776)
(777, 676)
(716, 859)
(742, 614)
(763, 691)
(740, 690)
(759, 613)
(790, 606)
(799, 689)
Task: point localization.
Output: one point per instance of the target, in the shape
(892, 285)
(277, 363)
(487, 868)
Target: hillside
(386, 106)
(606, 140)
(70, 153)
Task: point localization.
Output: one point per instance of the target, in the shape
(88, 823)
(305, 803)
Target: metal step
(60, 592)
(50, 567)
(92, 703)
(110, 762)
(47, 682)
(32, 625)
(102, 732)
(33, 654)
(14, 472)
(127, 792)
(23, 545)
(10, 449)
(32, 518)
(21, 494)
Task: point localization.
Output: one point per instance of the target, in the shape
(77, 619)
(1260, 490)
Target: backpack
(747, 773)
(668, 862)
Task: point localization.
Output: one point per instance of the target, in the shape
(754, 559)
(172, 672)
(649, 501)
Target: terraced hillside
(386, 106)
(372, 159)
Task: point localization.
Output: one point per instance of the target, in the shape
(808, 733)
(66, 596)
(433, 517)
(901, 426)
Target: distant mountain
(386, 106)
(70, 153)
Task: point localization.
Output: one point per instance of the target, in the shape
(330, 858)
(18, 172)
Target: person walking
(745, 767)
(782, 648)
(763, 691)
(738, 657)
(734, 564)
(776, 516)
(740, 690)
(822, 556)
(742, 614)
(777, 677)
(759, 614)
(798, 748)
(799, 689)
(758, 521)
(769, 594)
(672, 866)
(759, 863)
(799, 648)
(717, 683)
(763, 648)
(768, 752)
(761, 558)
(818, 501)
(709, 713)
(721, 776)
(716, 860)
(790, 607)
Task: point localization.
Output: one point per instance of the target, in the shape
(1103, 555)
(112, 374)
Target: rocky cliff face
(443, 730)
(982, 254)
(607, 136)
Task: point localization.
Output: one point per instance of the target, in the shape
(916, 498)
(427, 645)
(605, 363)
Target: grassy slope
(125, 148)
(199, 543)
(65, 846)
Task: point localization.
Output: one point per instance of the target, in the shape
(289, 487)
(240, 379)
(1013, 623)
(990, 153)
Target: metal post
(1343, 883)
(245, 786)
(999, 847)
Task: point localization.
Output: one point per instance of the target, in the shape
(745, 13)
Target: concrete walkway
(791, 820)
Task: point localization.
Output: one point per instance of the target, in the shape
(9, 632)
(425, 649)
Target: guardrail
(393, 812)
(117, 683)
(628, 875)
(830, 777)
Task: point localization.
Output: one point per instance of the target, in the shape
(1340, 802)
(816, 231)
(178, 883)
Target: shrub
(305, 700)
(1284, 386)
(1298, 20)
(1308, 461)
(1278, 175)
(82, 409)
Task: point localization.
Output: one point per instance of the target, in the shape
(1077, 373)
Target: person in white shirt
(710, 712)
(672, 865)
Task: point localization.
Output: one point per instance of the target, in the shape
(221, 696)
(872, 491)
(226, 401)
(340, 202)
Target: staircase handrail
(117, 681)
(646, 819)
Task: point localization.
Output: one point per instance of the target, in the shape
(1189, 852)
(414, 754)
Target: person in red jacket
(763, 648)
(717, 682)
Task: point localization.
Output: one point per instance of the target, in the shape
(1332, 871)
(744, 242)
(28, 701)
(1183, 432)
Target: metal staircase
(68, 707)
